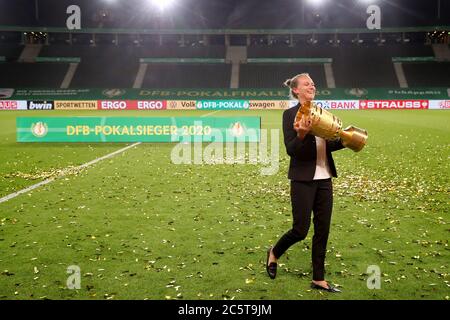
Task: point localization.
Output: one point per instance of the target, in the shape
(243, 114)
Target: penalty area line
(80, 167)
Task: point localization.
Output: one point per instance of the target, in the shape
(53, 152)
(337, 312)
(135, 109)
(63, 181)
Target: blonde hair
(292, 83)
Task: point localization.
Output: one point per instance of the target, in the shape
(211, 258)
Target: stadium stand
(327, 51)
(181, 52)
(364, 66)
(262, 75)
(32, 75)
(114, 57)
(283, 51)
(117, 35)
(168, 75)
(427, 74)
(105, 66)
(105, 71)
(353, 65)
(11, 52)
(132, 52)
(406, 50)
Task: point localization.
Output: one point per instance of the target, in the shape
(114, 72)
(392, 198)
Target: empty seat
(430, 74)
(267, 75)
(195, 75)
(32, 75)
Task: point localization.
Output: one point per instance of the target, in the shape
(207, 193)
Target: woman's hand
(303, 127)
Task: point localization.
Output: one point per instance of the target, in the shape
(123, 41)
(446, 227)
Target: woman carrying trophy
(311, 134)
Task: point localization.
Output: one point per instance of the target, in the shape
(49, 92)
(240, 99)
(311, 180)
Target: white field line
(80, 167)
(84, 165)
(208, 114)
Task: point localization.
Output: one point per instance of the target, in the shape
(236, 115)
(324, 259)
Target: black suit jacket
(303, 153)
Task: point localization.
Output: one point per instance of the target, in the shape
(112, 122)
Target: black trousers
(307, 196)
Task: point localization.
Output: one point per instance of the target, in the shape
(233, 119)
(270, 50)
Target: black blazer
(303, 153)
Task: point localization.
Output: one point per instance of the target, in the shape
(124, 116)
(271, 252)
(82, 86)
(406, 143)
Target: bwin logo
(40, 105)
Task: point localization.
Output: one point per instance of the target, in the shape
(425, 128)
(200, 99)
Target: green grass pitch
(140, 227)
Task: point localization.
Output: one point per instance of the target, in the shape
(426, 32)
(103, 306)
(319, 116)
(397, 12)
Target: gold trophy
(327, 126)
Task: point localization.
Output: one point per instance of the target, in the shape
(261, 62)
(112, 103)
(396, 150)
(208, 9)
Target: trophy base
(353, 138)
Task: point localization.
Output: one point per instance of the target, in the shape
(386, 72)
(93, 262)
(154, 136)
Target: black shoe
(272, 267)
(329, 289)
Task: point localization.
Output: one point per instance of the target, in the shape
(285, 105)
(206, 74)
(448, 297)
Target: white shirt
(322, 168)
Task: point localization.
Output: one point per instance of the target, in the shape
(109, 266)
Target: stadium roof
(229, 14)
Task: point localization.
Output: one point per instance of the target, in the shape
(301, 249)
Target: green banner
(58, 59)
(413, 59)
(181, 60)
(220, 94)
(290, 60)
(138, 129)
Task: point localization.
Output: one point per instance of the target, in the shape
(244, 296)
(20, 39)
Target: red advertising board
(131, 105)
(151, 105)
(393, 104)
(8, 105)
